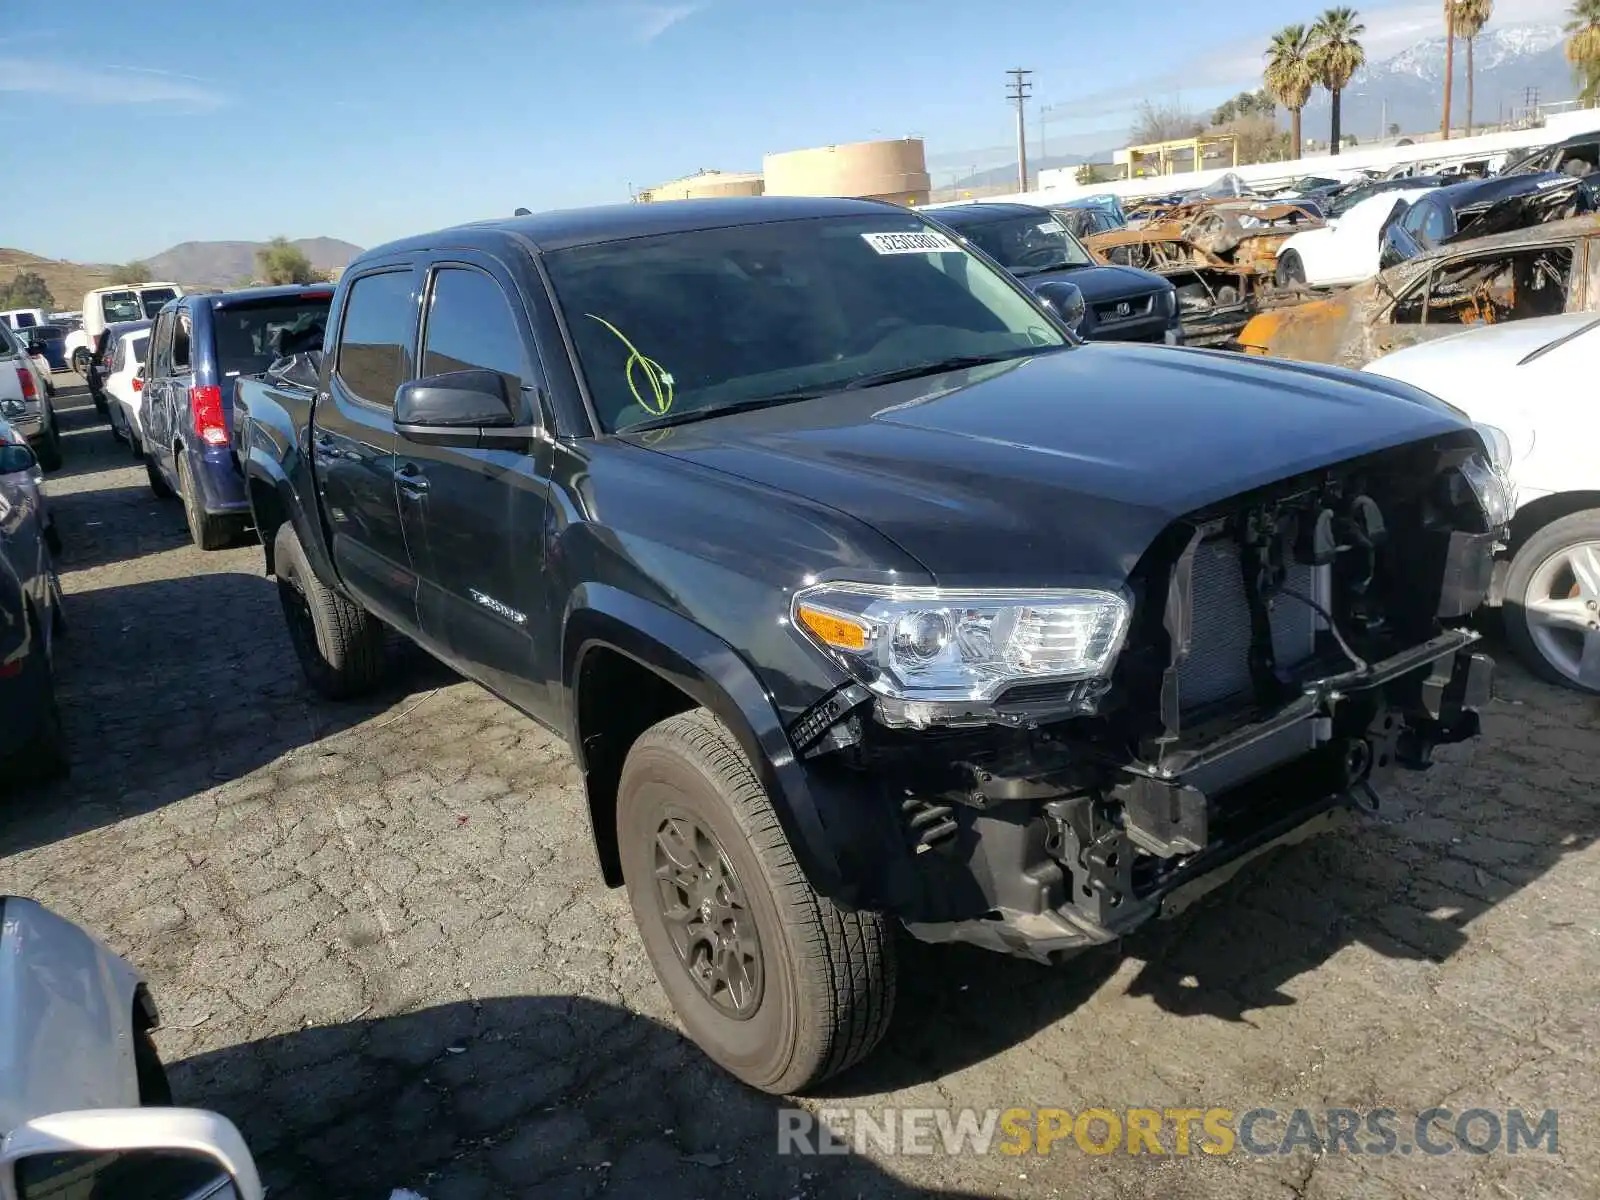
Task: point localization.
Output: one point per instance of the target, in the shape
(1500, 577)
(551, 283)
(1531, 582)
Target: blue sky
(371, 119)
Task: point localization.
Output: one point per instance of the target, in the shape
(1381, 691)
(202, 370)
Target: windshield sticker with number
(922, 242)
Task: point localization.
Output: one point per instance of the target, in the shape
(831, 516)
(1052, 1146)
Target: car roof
(286, 291)
(566, 228)
(118, 328)
(132, 287)
(1497, 187)
(980, 214)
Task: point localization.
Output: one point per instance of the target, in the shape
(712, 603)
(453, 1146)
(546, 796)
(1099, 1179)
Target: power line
(1018, 91)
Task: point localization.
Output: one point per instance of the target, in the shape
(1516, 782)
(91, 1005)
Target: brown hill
(67, 281)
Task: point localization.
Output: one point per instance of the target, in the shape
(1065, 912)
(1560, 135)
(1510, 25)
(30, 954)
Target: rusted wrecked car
(1534, 272)
(1220, 255)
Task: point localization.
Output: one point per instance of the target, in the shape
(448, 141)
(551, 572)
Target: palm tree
(1449, 64)
(1583, 48)
(1335, 56)
(1471, 17)
(1289, 77)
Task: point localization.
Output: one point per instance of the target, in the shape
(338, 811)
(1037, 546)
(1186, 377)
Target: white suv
(25, 400)
(108, 305)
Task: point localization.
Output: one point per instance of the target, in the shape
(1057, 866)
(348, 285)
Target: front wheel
(773, 981)
(339, 643)
(80, 361)
(158, 482)
(50, 447)
(1552, 602)
(1291, 271)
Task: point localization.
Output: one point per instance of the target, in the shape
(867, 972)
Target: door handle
(411, 479)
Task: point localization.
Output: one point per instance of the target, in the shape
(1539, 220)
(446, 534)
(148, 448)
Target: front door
(352, 442)
(474, 517)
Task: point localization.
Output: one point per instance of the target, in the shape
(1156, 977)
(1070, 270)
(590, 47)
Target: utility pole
(1018, 90)
(1449, 64)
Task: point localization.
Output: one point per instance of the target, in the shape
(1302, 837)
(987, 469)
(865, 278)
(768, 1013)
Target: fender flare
(714, 676)
(262, 468)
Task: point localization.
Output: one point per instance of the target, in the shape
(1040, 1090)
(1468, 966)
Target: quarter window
(471, 327)
(376, 339)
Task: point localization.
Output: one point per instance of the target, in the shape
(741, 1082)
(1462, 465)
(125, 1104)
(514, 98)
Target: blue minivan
(198, 346)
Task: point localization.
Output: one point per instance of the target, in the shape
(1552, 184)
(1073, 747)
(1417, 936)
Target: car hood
(1099, 284)
(1061, 469)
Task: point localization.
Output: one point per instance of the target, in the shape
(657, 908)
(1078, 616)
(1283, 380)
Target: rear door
(157, 419)
(474, 517)
(352, 440)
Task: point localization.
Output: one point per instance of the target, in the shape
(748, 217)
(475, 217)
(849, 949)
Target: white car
(124, 388)
(1535, 380)
(108, 305)
(82, 1094)
(25, 400)
(1345, 250)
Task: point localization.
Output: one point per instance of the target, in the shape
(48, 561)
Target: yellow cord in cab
(661, 382)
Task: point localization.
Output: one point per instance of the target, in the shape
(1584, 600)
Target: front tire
(50, 447)
(773, 981)
(1552, 601)
(158, 482)
(80, 362)
(339, 643)
(1291, 271)
(208, 531)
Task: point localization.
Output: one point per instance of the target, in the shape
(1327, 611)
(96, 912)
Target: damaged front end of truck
(1279, 657)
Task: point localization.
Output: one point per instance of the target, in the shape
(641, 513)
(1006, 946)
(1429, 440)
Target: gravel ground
(379, 945)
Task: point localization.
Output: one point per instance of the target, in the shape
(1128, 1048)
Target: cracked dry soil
(379, 946)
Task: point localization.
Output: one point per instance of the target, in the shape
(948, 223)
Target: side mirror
(1064, 299)
(153, 1153)
(15, 458)
(458, 408)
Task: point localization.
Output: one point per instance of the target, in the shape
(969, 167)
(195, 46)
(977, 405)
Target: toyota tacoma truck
(863, 591)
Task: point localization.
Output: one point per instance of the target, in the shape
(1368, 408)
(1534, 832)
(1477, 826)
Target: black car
(1347, 198)
(1577, 156)
(863, 593)
(1481, 207)
(1120, 304)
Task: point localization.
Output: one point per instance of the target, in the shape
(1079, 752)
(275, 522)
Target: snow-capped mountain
(1408, 88)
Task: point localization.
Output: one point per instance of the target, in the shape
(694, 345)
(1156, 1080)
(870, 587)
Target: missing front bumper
(1081, 870)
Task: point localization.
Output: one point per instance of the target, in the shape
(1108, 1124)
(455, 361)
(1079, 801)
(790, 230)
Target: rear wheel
(1291, 271)
(209, 532)
(772, 980)
(158, 483)
(1552, 601)
(50, 446)
(80, 361)
(339, 643)
(155, 1090)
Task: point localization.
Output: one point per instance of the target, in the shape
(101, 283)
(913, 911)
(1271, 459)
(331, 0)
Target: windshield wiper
(1025, 272)
(957, 363)
(722, 410)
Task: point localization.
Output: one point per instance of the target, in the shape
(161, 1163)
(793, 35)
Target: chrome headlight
(1490, 476)
(935, 646)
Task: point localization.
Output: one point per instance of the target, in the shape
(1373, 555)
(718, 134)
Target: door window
(375, 341)
(180, 342)
(471, 327)
(1489, 288)
(161, 347)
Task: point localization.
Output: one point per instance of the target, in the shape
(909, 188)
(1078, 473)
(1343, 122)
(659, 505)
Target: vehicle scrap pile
(1220, 254)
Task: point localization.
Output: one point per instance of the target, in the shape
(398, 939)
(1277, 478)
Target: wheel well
(269, 513)
(1536, 514)
(618, 699)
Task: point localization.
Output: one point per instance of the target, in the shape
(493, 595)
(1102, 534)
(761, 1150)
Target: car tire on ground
(207, 530)
(99, 399)
(1552, 601)
(1291, 271)
(80, 361)
(158, 483)
(339, 643)
(44, 757)
(50, 447)
(773, 981)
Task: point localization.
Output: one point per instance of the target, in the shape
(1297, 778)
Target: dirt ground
(379, 945)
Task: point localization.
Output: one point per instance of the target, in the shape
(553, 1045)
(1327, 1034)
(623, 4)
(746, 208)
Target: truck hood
(1099, 284)
(1061, 469)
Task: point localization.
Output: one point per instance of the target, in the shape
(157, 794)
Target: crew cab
(200, 344)
(862, 590)
(1121, 304)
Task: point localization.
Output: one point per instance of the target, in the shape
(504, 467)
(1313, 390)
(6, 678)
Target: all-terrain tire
(207, 530)
(339, 644)
(828, 974)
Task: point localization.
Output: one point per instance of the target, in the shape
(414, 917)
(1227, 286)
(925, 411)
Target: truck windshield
(1028, 245)
(250, 338)
(680, 325)
(123, 306)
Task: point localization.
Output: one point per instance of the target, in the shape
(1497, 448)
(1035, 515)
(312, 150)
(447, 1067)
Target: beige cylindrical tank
(895, 171)
(706, 185)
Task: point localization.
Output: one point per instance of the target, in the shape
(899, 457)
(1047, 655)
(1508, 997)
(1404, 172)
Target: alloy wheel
(707, 918)
(1563, 612)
